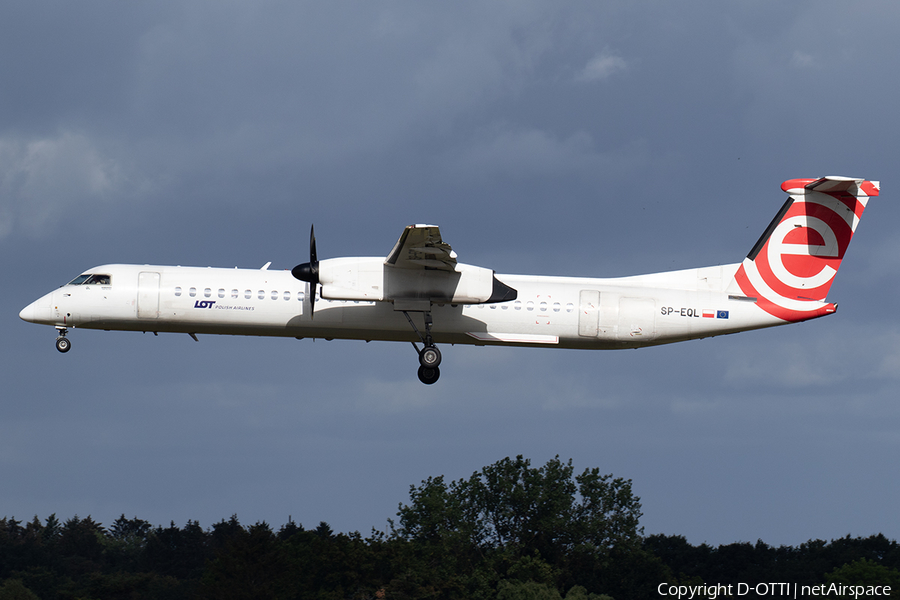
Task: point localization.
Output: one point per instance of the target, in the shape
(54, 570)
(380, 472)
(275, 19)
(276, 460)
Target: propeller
(309, 271)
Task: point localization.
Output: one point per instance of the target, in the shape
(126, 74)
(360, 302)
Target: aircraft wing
(421, 247)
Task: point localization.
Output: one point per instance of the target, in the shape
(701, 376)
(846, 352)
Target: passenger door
(589, 313)
(148, 295)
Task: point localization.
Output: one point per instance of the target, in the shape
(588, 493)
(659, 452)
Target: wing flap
(421, 247)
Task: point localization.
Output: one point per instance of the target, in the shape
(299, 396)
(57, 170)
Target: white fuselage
(564, 312)
(420, 292)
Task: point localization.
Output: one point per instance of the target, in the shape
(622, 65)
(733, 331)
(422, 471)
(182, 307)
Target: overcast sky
(578, 138)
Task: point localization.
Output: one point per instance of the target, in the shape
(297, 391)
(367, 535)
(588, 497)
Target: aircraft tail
(790, 269)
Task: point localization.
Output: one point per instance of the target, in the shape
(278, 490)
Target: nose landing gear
(62, 342)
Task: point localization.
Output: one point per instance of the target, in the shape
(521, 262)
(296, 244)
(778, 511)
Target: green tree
(526, 508)
(511, 504)
(14, 589)
(249, 563)
(512, 521)
(530, 590)
(81, 546)
(179, 553)
(866, 573)
(579, 593)
(526, 590)
(126, 541)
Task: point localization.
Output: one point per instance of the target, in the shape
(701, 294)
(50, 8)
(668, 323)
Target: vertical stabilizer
(792, 266)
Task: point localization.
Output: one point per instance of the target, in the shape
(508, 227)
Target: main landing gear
(62, 342)
(429, 355)
(429, 361)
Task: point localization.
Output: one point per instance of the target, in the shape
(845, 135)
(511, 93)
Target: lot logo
(204, 303)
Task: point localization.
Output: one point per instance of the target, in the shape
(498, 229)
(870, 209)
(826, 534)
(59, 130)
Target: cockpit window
(79, 280)
(91, 279)
(98, 280)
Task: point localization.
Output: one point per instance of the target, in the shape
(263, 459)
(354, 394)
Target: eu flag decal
(721, 314)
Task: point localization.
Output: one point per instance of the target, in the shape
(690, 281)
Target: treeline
(511, 531)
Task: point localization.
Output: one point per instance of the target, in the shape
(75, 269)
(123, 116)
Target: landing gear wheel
(429, 375)
(63, 344)
(430, 357)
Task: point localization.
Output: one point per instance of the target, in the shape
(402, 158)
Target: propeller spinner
(309, 271)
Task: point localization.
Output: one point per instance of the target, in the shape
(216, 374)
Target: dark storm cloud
(580, 140)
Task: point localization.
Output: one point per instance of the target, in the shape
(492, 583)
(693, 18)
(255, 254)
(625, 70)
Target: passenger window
(543, 307)
(178, 291)
(234, 293)
(207, 293)
(221, 292)
(247, 294)
(529, 305)
(192, 292)
(261, 294)
(287, 295)
(301, 296)
(274, 294)
(570, 307)
(556, 307)
(518, 305)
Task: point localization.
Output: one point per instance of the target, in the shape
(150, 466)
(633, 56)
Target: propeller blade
(313, 259)
(309, 271)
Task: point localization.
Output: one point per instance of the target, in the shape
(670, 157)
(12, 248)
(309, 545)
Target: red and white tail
(790, 269)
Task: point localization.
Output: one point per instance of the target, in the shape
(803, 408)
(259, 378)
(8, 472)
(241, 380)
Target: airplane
(421, 294)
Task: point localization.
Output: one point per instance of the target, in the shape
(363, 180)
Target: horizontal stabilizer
(832, 184)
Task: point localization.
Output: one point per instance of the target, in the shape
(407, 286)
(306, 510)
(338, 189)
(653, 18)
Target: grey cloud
(602, 67)
(43, 180)
(215, 132)
(534, 153)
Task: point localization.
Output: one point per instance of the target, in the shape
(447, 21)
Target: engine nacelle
(370, 279)
(352, 278)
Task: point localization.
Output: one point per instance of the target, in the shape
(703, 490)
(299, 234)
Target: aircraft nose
(27, 313)
(37, 312)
